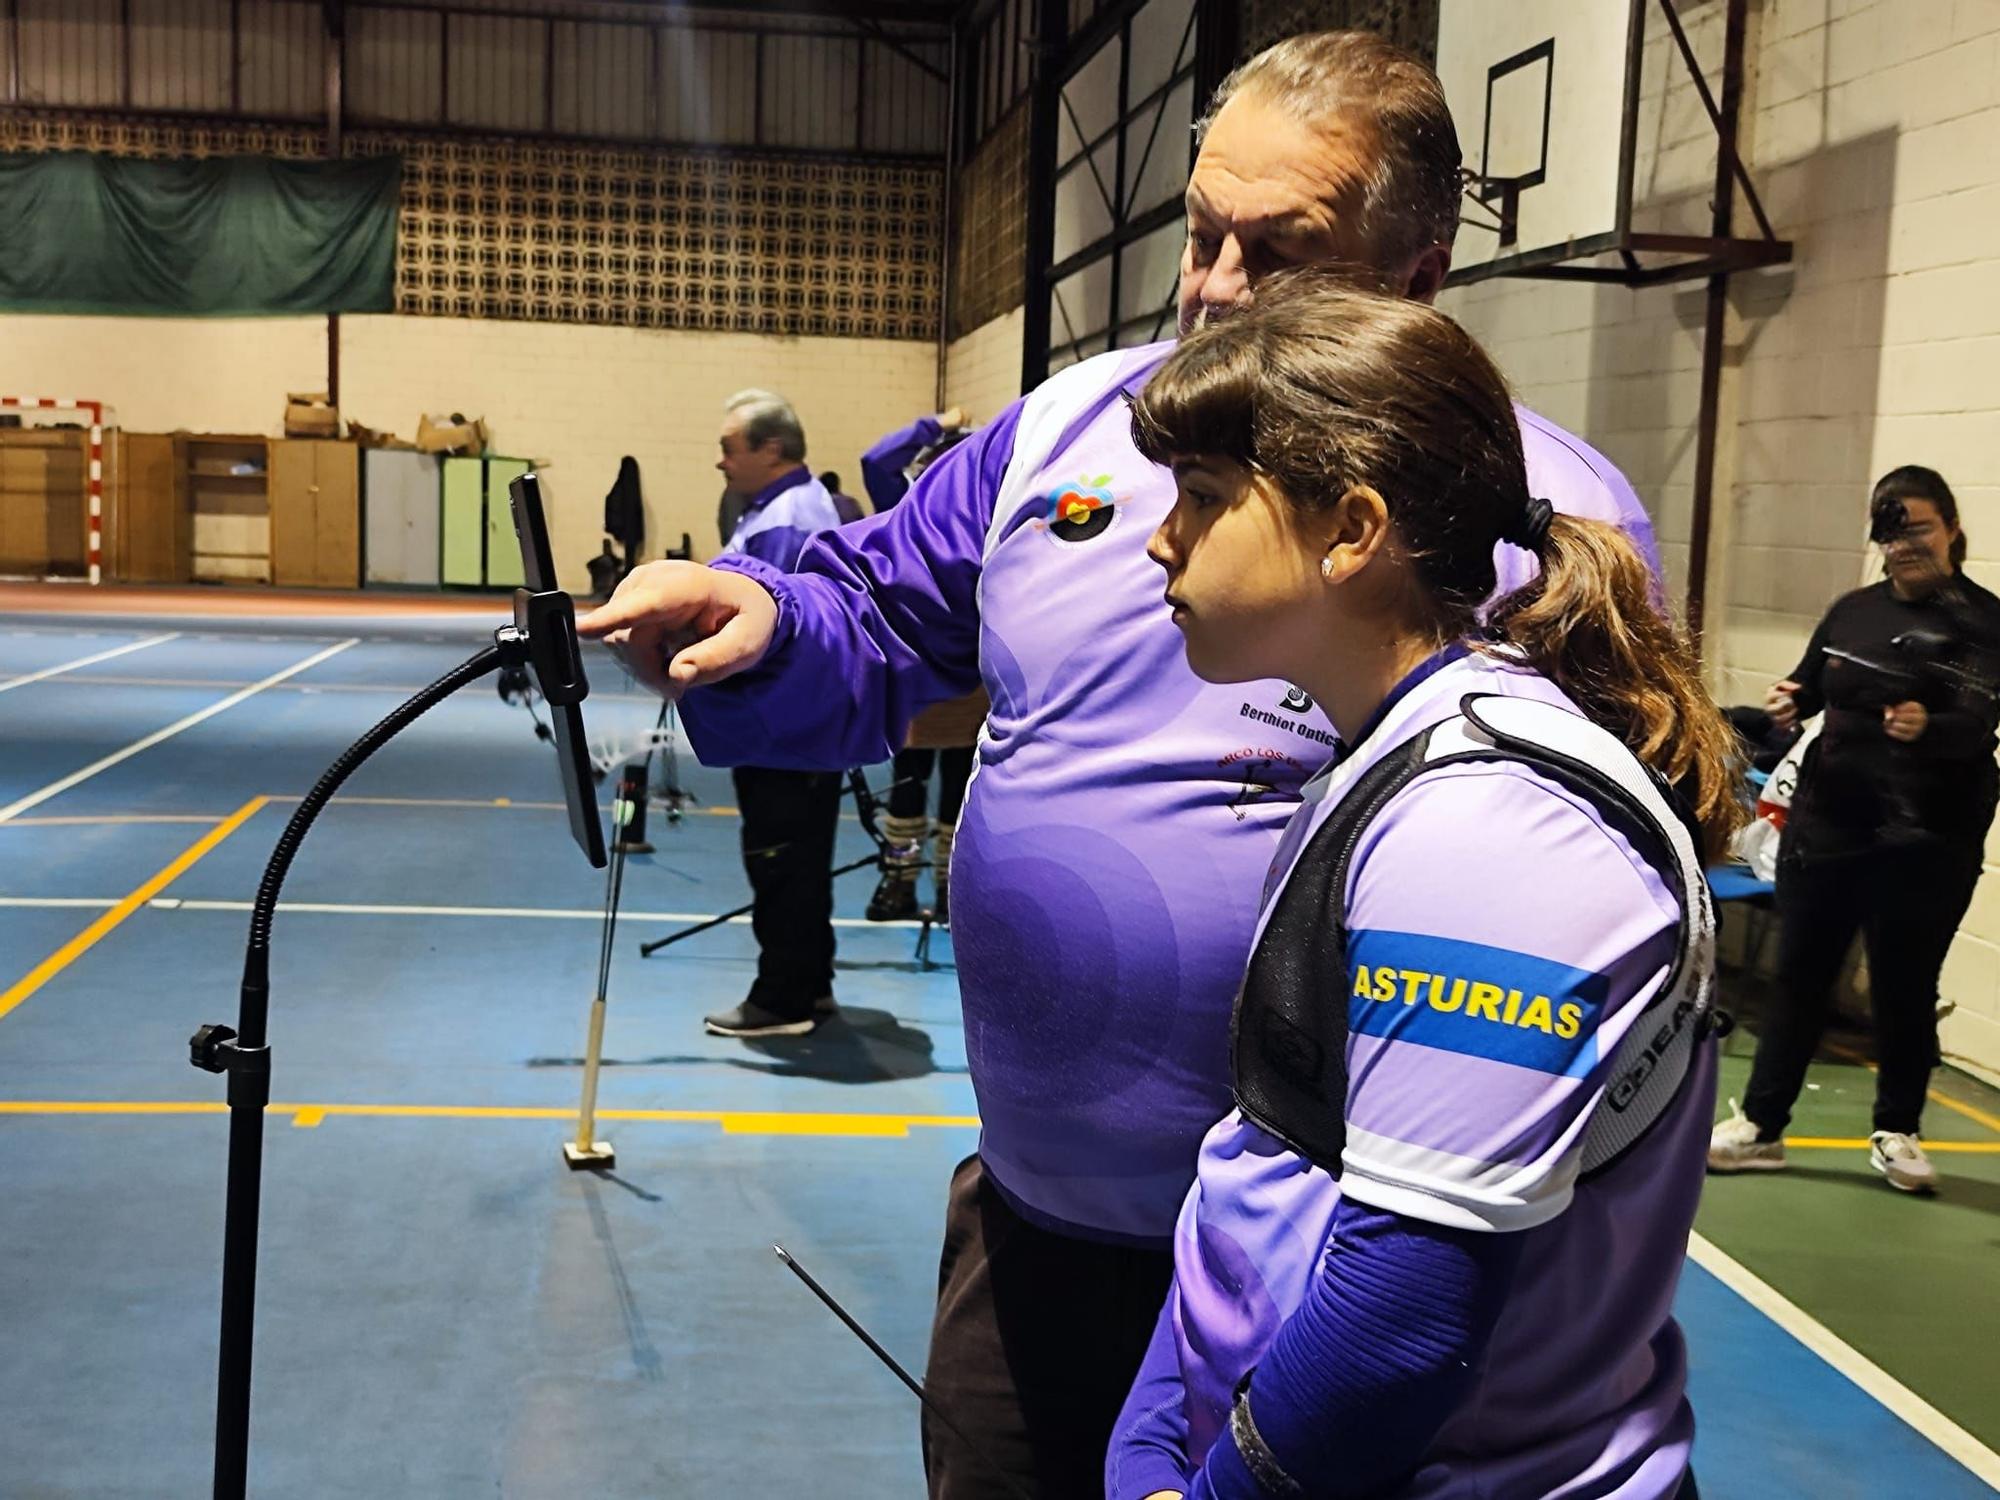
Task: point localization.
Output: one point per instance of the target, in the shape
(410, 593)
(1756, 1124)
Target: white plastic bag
(1756, 844)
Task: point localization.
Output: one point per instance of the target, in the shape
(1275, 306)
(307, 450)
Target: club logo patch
(1081, 510)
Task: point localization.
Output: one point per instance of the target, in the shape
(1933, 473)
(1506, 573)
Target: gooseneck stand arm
(245, 1056)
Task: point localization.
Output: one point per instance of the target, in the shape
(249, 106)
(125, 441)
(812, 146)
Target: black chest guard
(1289, 1038)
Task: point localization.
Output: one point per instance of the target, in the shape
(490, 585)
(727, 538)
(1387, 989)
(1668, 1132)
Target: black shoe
(895, 898)
(751, 1020)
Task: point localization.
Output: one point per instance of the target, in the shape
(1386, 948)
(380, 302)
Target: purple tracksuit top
(1502, 938)
(1122, 813)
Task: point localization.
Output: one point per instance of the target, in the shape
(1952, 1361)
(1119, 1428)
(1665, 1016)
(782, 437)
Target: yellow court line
(85, 940)
(1829, 1143)
(733, 1122)
(1956, 1106)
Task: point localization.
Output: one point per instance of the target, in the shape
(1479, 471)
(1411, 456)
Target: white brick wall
(577, 397)
(1874, 136)
(982, 371)
(162, 374)
(581, 397)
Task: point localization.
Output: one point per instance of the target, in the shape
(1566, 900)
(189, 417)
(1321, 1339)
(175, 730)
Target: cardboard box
(447, 436)
(308, 414)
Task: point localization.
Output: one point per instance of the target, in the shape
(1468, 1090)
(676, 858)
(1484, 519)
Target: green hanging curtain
(84, 233)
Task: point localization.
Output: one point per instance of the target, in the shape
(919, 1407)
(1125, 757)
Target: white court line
(1931, 1423)
(351, 909)
(83, 661)
(56, 788)
(560, 914)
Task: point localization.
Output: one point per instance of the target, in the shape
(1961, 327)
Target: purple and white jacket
(1122, 813)
(1503, 939)
(781, 518)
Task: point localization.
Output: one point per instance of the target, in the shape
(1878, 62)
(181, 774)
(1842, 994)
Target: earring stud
(1326, 567)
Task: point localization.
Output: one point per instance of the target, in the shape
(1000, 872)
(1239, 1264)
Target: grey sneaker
(752, 1020)
(1733, 1146)
(1901, 1159)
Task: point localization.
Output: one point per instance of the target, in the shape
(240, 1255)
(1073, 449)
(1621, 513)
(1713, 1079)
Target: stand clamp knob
(214, 1049)
(208, 1048)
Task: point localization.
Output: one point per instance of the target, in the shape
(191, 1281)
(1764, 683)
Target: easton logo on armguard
(1469, 998)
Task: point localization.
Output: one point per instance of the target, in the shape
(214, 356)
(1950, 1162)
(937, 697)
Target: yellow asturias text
(1468, 997)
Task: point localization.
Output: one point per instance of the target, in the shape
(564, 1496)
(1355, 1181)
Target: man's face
(1268, 193)
(745, 469)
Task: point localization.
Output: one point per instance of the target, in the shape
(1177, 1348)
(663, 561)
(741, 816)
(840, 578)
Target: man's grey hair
(1412, 195)
(765, 416)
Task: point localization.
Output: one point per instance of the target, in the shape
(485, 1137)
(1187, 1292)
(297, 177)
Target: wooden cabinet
(315, 510)
(148, 532)
(478, 548)
(223, 488)
(44, 502)
(400, 500)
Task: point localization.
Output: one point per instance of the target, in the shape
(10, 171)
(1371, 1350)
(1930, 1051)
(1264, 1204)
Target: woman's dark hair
(1915, 482)
(1322, 386)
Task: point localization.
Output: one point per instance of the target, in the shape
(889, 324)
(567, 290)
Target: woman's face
(1242, 577)
(1920, 556)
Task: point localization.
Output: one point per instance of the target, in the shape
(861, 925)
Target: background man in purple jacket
(790, 816)
(1123, 813)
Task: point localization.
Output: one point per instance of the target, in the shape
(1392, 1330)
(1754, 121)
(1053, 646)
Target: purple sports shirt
(781, 517)
(1122, 813)
(1502, 938)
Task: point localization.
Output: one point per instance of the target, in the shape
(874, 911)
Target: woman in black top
(1888, 825)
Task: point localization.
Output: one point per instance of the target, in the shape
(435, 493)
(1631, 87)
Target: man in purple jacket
(790, 815)
(1123, 813)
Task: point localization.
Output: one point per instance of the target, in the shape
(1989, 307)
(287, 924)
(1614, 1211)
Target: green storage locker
(503, 549)
(476, 546)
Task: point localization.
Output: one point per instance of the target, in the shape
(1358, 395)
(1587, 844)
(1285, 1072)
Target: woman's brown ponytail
(1588, 623)
(1322, 385)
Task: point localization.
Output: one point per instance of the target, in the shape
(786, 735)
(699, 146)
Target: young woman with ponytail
(1444, 1264)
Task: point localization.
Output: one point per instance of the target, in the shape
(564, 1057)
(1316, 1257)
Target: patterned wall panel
(493, 228)
(990, 232)
(665, 239)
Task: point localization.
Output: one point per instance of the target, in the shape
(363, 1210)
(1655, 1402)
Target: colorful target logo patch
(1082, 510)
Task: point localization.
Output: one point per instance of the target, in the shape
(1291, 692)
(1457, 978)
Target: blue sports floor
(444, 1309)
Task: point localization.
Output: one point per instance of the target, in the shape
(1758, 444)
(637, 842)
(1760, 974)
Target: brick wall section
(1872, 136)
(583, 397)
(983, 369)
(578, 396)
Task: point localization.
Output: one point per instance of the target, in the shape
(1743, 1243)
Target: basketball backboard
(1540, 92)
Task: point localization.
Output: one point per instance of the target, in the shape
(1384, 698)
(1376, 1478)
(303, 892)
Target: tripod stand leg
(585, 1151)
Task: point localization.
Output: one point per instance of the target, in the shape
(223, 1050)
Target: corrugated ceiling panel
(602, 78)
(708, 87)
(903, 108)
(71, 52)
(393, 64)
(498, 70)
(811, 85)
(282, 45)
(180, 54)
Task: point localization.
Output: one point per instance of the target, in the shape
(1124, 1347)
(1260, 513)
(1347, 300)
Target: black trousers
(1035, 1345)
(789, 818)
(1906, 904)
(909, 785)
